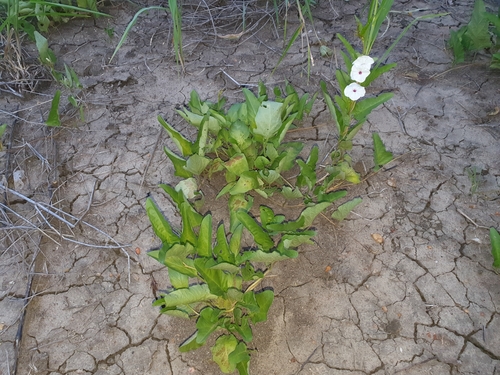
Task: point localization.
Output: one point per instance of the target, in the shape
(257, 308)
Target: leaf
(207, 322)
(237, 164)
(260, 236)
(240, 353)
(235, 242)
(195, 293)
(54, 119)
(252, 107)
(477, 28)
(190, 344)
(182, 265)
(288, 193)
(204, 248)
(264, 300)
(331, 197)
(161, 227)
(179, 164)
(183, 144)
(310, 213)
(344, 209)
(223, 347)
(495, 247)
(221, 249)
(187, 234)
(267, 258)
(130, 25)
(196, 164)
(248, 181)
(268, 119)
(217, 281)
(289, 153)
(364, 107)
(238, 202)
(380, 155)
(177, 279)
(46, 55)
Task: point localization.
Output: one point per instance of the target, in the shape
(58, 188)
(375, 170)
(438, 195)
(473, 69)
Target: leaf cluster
(246, 143)
(482, 32)
(216, 281)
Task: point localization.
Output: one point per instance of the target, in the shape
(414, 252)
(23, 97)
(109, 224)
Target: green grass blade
(54, 119)
(130, 25)
(287, 48)
(380, 154)
(495, 247)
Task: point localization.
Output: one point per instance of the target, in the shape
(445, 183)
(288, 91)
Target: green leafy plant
(217, 282)
(246, 143)
(482, 32)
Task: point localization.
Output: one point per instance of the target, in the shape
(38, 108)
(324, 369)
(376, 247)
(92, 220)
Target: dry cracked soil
(424, 301)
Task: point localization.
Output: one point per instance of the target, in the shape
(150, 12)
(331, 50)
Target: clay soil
(425, 301)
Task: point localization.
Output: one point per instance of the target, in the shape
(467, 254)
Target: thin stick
(472, 221)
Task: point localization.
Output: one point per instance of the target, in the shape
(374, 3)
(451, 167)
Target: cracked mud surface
(425, 301)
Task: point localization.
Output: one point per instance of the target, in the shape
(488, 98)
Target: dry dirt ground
(426, 301)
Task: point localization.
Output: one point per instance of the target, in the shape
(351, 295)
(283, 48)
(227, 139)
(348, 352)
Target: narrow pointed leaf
(179, 164)
(495, 247)
(207, 322)
(54, 119)
(343, 210)
(204, 248)
(260, 236)
(184, 145)
(380, 155)
(161, 227)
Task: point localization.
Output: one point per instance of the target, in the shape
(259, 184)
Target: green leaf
(182, 265)
(477, 28)
(161, 227)
(223, 347)
(248, 181)
(235, 242)
(364, 107)
(495, 247)
(46, 55)
(187, 234)
(289, 153)
(348, 47)
(184, 145)
(207, 322)
(217, 281)
(332, 196)
(288, 193)
(190, 344)
(243, 368)
(54, 119)
(240, 353)
(380, 154)
(249, 273)
(344, 209)
(264, 300)
(221, 249)
(268, 119)
(292, 241)
(224, 266)
(260, 236)
(238, 202)
(289, 226)
(252, 107)
(237, 164)
(267, 258)
(204, 248)
(310, 213)
(195, 293)
(177, 279)
(196, 164)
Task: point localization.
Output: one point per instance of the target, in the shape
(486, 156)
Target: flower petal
(358, 74)
(363, 61)
(354, 91)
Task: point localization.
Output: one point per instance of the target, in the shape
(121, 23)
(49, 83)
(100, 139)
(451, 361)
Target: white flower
(364, 62)
(354, 91)
(361, 68)
(189, 187)
(358, 74)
